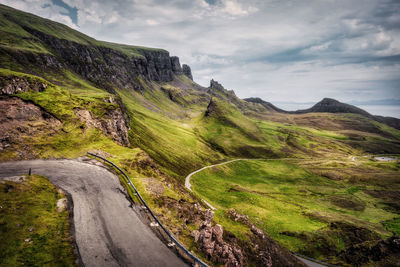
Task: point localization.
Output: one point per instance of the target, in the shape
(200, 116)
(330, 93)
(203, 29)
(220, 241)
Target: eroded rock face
(10, 85)
(113, 124)
(106, 67)
(20, 122)
(176, 66)
(211, 242)
(187, 71)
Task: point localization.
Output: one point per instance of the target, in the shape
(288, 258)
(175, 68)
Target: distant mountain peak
(331, 105)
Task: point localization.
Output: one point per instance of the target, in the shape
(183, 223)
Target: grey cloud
(278, 50)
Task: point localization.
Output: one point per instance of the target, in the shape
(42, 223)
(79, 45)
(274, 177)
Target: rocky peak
(176, 66)
(216, 85)
(187, 71)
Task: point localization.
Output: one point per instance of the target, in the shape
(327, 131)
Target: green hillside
(64, 94)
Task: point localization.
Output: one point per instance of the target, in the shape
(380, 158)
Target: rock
(212, 244)
(15, 179)
(31, 229)
(61, 204)
(187, 71)
(113, 124)
(154, 224)
(176, 66)
(10, 85)
(216, 85)
(195, 234)
(217, 232)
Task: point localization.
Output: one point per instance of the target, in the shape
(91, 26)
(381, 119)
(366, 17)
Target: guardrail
(187, 252)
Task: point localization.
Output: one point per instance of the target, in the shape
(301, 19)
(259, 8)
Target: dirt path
(108, 231)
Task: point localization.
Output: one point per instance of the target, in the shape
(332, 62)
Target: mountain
(63, 93)
(266, 104)
(333, 106)
(330, 105)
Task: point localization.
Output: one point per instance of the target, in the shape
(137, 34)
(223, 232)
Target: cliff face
(104, 66)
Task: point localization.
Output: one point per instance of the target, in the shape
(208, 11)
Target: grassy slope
(281, 196)
(13, 35)
(32, 231)
(169, 124)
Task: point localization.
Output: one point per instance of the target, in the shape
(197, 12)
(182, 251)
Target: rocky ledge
(10, 85)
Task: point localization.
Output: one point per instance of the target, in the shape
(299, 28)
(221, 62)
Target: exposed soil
(21, 122)
(347, 202)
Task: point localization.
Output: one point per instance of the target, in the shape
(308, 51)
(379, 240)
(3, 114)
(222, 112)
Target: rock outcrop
(212, 244)
(21, 123)
(264, 251)
(10, 85)
(176, 66)
(187, 71)
(113, 124)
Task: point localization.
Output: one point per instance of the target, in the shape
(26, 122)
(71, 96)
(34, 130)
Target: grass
(33, 233)
(14, 34)
(291, 203)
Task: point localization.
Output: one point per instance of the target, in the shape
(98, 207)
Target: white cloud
(275, 49)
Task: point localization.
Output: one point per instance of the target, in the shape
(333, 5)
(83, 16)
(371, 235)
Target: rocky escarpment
(104, 66)
(113, 123)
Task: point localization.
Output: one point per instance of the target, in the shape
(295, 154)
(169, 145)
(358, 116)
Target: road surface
(108, 231)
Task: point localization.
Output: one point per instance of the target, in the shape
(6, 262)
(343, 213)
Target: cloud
(280, 50)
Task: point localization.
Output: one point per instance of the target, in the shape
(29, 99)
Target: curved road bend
(107, 230)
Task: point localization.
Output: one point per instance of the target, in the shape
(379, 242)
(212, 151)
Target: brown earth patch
(347, 202)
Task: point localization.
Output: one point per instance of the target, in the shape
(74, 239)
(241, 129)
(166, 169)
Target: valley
(311, 182)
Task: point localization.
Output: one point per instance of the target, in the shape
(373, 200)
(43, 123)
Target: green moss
(393, 226)
(33, 233)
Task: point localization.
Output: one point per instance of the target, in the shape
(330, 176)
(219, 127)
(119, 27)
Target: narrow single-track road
(108, 231)
(188, 185)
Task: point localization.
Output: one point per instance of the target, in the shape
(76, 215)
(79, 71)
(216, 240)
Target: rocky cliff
(104, 66)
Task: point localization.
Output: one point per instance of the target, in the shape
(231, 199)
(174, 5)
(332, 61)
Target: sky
(278, 50)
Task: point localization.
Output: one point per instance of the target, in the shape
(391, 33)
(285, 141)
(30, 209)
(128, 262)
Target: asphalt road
(108, 231)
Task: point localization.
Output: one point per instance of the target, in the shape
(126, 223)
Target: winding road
(188, 185)
(108, 231)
